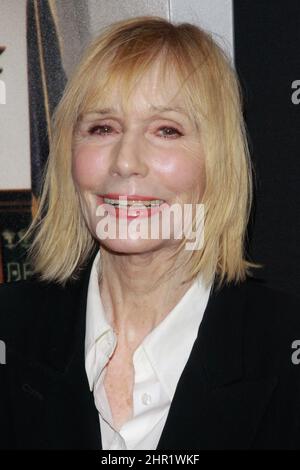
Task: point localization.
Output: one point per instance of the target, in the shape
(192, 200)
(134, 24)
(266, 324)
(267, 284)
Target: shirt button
(146, 399)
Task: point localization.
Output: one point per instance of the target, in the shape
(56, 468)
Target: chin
(131, 246)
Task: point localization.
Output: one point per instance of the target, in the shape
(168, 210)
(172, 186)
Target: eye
(100, 130)
(171, 132)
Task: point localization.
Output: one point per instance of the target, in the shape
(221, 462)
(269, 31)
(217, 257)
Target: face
(143, 151)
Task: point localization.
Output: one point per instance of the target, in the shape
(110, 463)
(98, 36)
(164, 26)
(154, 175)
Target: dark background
(267, 58)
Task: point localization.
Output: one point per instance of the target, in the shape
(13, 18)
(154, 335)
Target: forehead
(155, 90)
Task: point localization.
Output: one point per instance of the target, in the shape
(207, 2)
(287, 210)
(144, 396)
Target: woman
(131, 342)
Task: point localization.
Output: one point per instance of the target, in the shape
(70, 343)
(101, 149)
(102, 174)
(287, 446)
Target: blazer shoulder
(32, 307)
(19, 295)
(20, 301)
(274, 303)
(259, 302)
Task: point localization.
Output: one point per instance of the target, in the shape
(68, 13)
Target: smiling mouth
(136, 204)
(124, 202)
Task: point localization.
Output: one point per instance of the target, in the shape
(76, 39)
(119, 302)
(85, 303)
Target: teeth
(131, 203)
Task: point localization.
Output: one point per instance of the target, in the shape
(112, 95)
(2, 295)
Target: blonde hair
(119, 56)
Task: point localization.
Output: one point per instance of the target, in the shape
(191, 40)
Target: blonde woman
(131, 342)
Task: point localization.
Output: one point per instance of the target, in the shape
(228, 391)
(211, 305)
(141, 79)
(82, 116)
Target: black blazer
(240, 388)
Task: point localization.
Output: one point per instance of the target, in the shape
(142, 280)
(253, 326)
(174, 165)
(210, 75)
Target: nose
(128, 158)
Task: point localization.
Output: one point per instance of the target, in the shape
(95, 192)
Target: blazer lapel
(214, 407)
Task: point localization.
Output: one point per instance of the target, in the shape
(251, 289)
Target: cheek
(181, 172)
(88, 166)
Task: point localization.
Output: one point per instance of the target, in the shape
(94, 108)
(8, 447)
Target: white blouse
(158, 364)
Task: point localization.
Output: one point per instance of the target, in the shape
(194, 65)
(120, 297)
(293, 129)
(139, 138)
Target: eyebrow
(161, 109)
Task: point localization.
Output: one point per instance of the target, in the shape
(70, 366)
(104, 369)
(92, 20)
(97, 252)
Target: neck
(133, 300)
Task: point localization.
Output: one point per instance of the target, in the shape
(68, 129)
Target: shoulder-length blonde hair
(119, 56)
